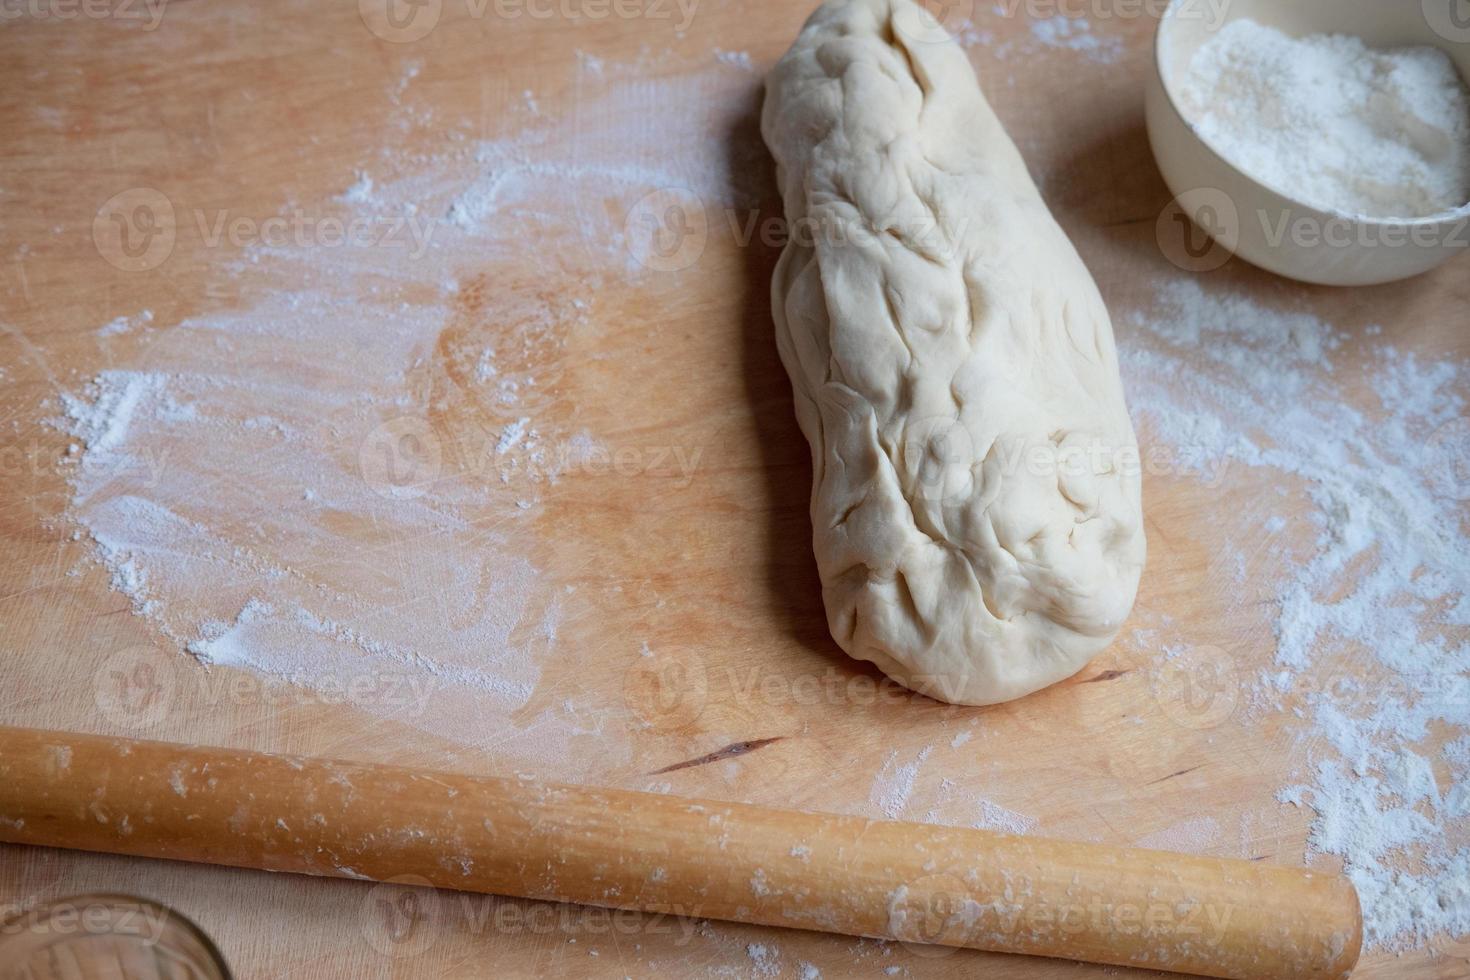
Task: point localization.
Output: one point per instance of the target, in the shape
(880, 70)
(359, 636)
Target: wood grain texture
(746, 699)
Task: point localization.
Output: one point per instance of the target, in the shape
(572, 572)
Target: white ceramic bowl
(1260, 223)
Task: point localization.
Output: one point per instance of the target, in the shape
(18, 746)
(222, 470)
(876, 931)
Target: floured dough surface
(975, 507)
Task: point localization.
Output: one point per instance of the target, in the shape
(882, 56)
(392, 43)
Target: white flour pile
(1370, 607)
(1333, 123)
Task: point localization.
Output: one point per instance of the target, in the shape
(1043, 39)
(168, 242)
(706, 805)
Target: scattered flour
(1334, 123)
(955, 805)
(765, 960)
(993, 816)
(324, 372)
(125, 324)
(1250, 397)
(361, 191)
(511, 436)
(1055, 33)
(1076, 34)
(894, 783)
(735, 59)
(103, 413)
(1194, 836)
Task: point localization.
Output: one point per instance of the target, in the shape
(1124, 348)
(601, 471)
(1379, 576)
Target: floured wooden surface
(525, 481)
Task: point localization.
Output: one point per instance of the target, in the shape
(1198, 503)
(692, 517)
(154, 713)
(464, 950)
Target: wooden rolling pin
(910, 882)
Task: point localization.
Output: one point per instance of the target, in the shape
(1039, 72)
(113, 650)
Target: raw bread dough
(975, 509)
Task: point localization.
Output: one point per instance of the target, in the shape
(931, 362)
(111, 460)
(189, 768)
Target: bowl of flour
(1325, 140)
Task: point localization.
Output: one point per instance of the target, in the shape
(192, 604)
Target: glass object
(106, 937)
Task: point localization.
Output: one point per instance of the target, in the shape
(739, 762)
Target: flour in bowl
(1333, 123)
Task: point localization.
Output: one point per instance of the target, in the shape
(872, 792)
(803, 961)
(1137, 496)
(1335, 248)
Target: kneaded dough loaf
(975, 507)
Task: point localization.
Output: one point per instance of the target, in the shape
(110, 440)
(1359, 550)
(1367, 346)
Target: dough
(975, 506)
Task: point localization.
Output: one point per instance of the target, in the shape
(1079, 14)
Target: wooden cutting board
(653, 576)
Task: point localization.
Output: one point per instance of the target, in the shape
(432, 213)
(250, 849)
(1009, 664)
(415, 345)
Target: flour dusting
(1076, 34)
(265, 483)
(1195, 836)
(894, 783)
(1255, 398)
